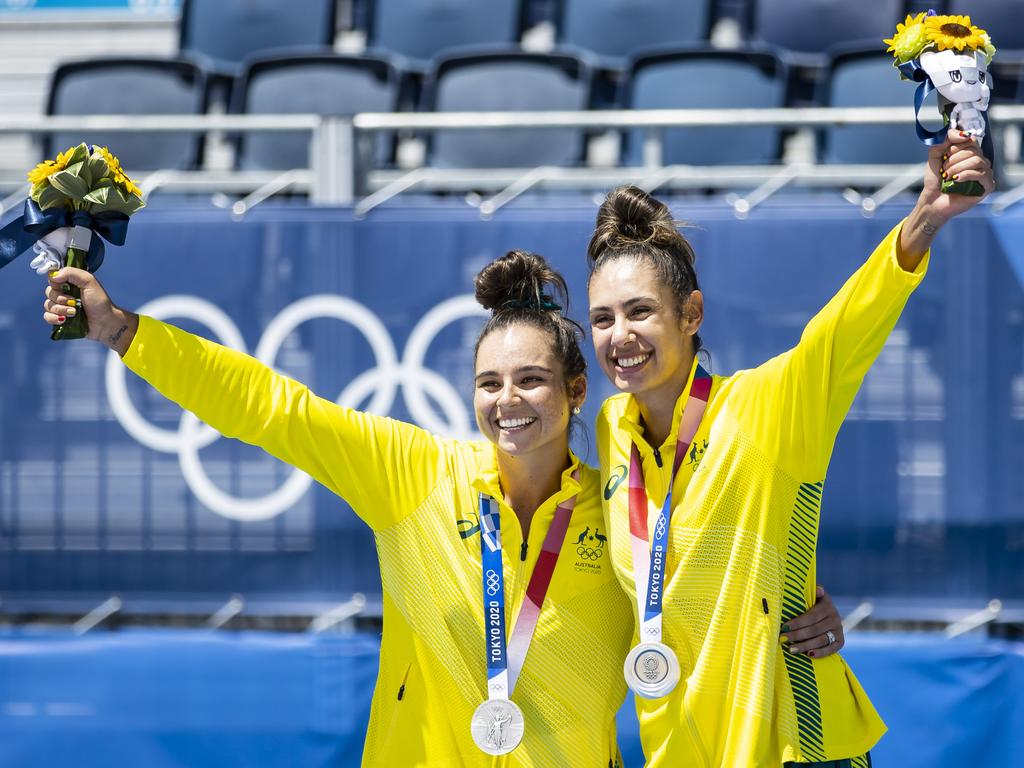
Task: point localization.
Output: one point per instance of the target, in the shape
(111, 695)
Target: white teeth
(513, 423)
(630, 362)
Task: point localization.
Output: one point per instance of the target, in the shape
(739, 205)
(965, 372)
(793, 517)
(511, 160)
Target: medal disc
(497, 726)
(651, 670)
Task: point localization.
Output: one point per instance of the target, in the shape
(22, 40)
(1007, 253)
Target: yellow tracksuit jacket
(741, 558)
(419, 494)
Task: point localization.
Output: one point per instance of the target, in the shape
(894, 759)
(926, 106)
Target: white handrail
(337, 174)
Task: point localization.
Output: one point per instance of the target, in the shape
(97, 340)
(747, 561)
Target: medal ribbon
(649, 559)
(504, 664)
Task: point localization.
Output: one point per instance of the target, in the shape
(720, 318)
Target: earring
(576, 410)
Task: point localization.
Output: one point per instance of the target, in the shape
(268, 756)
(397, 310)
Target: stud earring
(576, 410)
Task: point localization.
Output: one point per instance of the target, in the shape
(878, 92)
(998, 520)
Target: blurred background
(170, 598)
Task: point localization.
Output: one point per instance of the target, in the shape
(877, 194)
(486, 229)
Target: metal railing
(335, 175)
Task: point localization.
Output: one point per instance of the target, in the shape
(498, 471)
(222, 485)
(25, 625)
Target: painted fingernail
(955, 178)
(812, 654)
(785, 627)
(60, 319)
(72, 312)
(945, 157)
(72, 303)
(943, 174)
(54, 273)
(784, 639)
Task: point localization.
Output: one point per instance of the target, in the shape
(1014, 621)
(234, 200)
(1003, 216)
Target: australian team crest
(590, 545)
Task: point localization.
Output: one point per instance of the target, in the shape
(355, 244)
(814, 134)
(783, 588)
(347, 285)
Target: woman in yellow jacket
(713, 486)
(456, 686)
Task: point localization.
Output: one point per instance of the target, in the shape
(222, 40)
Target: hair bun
(520, 280)
(629, 216)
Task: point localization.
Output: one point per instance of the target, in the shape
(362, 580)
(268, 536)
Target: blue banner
(100, 491)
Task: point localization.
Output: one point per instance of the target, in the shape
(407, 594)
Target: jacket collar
(487, 480)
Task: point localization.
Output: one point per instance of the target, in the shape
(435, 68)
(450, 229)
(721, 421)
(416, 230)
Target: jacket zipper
(397, 706)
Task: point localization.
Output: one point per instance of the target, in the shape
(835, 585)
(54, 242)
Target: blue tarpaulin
(197, 699)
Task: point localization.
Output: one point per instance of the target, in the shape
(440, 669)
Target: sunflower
(909, 39)
(954, 33)
(47, 168)
(117, 172)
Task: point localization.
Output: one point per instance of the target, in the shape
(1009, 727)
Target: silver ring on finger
(831, 636)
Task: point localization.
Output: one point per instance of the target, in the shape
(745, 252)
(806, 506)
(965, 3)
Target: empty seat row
(225, 32)
(334, 84)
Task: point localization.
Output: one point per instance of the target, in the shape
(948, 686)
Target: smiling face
(642, 344)
(961, 78)
(522, 400)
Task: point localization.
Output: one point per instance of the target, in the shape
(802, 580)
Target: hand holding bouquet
(81, 194)
(950, 55)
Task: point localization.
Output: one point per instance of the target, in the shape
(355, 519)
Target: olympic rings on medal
(493, 583)
(589, 553)
(382, 382)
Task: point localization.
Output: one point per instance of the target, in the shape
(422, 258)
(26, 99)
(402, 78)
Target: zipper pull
(401, 692)
(657, 457)
(522, 552)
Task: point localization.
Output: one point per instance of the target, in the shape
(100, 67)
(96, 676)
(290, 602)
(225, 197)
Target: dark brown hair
(631, 224)
(521, 287)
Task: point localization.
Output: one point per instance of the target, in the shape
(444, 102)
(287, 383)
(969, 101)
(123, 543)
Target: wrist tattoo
(928, 228)
(113, 338)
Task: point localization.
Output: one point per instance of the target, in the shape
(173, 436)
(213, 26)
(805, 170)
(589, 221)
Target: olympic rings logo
(659, 529)
(493, 583)
(382, 382)
(589, 553)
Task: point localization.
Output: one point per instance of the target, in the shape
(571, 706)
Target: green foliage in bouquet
(80, 179)
(88, 179)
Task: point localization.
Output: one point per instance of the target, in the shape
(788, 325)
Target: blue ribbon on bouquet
(913, 71)
(35, 223)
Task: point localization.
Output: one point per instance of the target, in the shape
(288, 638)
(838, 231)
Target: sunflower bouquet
(950, 55)
(77, 200)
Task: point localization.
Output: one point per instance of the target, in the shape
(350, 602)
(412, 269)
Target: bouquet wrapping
(77, 201)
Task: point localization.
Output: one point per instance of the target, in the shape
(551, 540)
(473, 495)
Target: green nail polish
(785, 627)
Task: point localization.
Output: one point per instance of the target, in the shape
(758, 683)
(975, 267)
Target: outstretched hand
(108, 324)
(958, 158)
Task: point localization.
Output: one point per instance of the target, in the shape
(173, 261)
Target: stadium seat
(420, 29)
(507, 82)
(616, 29)
(706, 78)
(130, 86)
(814, 26)
(324, 84)
(224, 32)
(862, 78)
(1000, 18)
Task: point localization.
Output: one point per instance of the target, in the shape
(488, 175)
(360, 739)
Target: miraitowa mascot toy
(950, 55)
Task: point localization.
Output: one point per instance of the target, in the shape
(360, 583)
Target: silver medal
(497, 726)
(651, 670)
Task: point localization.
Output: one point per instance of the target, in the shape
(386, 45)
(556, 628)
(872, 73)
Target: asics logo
(614, 481)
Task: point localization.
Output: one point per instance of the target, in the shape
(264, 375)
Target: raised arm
(794, 404)
(384, 468)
